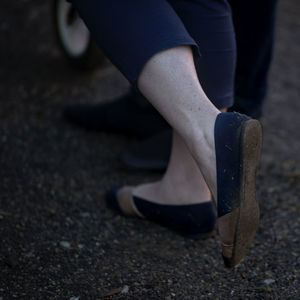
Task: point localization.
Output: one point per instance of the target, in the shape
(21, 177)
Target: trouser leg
(210, 25)
(132, 31)
(254, 22)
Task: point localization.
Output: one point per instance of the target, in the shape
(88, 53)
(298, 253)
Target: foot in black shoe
(194, 220)
(126, 115)
(238, 142)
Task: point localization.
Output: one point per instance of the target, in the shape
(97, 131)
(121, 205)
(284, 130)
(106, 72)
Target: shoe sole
(248, 214)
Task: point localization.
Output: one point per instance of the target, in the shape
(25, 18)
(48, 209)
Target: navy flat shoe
(238, 142)
(194, 220)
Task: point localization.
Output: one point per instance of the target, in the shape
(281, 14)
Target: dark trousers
(254, 22)
(132, 31)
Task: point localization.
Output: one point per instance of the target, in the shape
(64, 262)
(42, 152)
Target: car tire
(74, 39)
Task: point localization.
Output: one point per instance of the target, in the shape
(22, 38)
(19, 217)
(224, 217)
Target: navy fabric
(227, 144)
(188, 219)
(132, 31)
(254, 23)
(210, 25)
(255, 43)
(112, 199)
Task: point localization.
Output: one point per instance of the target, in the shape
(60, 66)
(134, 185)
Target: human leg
(178, 36)
(130, 32)
(229, 141)
(183, 183)
(182, 171)
(214, 47)
(255, 39)
(255, 42)
(170, 82)
(180, 200)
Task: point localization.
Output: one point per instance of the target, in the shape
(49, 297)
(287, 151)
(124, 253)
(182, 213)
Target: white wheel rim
(75, 37)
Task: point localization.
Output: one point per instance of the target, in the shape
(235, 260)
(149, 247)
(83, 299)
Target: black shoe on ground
(126, 115)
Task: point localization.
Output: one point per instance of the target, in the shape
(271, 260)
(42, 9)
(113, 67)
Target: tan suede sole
(242, 223)
(125, 201)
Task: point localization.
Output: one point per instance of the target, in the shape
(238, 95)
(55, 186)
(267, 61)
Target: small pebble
(80, 246)
(74, 298)
(65, 244)
(28, 254)
(269, 281)
(125, 289)
(1, 217)
(85, 214)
